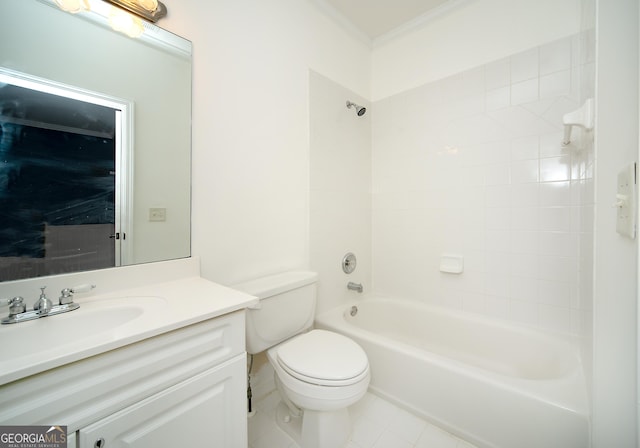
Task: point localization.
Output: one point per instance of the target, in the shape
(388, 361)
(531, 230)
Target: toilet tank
(287, 307)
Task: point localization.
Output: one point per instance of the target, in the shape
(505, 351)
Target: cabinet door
(71, 440)
(207, 410)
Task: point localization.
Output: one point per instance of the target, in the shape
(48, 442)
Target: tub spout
(354, 286)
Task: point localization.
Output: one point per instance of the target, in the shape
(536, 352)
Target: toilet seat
(323, 358)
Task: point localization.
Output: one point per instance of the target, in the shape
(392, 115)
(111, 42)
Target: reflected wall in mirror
(150, 78)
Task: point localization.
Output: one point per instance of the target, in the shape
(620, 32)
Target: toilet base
(315, 429)
(288, 423)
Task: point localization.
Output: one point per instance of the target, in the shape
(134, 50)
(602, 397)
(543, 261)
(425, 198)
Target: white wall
(472, 35)
(340, 219)
(251, 126)
(615, 294)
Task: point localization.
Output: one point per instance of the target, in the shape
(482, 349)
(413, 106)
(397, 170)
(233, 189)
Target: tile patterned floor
(377, 424)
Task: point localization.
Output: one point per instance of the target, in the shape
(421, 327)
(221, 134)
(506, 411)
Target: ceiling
(377, 17)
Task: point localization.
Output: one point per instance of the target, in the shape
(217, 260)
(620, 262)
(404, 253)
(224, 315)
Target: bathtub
(490, 383)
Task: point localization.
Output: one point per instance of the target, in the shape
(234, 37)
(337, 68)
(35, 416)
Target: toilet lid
(325, 358)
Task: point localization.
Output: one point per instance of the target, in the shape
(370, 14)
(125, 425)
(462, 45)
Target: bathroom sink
(93, 322)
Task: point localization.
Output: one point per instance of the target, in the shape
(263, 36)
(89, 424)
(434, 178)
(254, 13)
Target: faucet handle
(66, 296)
(16, 306)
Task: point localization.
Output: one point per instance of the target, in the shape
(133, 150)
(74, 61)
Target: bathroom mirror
(148, 80)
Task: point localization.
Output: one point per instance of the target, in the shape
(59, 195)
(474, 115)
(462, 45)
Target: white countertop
(111, 320)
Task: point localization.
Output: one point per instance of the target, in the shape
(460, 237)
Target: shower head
(359, 109)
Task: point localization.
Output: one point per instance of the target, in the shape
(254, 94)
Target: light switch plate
(626, 201)
(157, 214)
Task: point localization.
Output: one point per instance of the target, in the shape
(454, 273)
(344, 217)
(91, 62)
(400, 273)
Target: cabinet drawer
(80, 393)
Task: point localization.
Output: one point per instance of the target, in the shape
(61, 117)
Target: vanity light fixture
(124, 16)
(151, 10)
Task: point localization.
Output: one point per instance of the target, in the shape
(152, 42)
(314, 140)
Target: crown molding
(343, 21)
(420, 21)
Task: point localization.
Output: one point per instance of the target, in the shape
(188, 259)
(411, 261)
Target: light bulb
(73, 6)
(149, 5)
(125, 23)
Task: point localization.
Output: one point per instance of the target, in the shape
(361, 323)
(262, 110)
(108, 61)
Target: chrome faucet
(354, 286)
(43, 305)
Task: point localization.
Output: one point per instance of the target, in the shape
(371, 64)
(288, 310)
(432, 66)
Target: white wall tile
(525, 148)
(494, 182)
(555, 318)
(497, 307)
(524, 66)
(497, 74)
(555, 169)
(498, 285)
(473, 302)
(555, 194)
(497, 196)
(523, 312)
(498, 263)
(558, 268)
(498, 218)
(525, 92)
(550, 145)
(556, 219)
(524, 289)
(524, 171)
(555, 84)
(555, 57)
(498, 241)
(524, 265)
(497, 152)
(562, 244)
(498, 98)
(553, 292)
(498, 174)
(525, 218)
(525, 195)
(525, 241)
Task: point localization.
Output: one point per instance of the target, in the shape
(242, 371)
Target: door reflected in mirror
(96, 148)
(63, 190)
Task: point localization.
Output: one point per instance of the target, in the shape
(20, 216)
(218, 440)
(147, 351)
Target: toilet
(318, 373)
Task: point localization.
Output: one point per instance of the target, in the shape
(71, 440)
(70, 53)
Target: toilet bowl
(318, 373)
(321, 370)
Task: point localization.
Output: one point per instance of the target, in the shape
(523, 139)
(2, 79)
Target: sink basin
(98, 320)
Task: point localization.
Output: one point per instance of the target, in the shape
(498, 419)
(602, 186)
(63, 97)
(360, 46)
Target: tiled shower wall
(472, 165)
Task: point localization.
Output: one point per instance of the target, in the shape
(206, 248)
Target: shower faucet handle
(355, 286)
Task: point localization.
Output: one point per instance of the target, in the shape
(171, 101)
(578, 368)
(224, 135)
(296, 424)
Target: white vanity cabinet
(183, 388)
(199, 412)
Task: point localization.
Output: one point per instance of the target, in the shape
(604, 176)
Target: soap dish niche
(451, 264)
